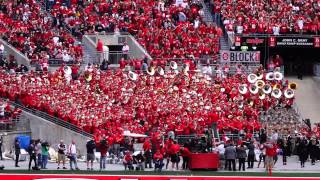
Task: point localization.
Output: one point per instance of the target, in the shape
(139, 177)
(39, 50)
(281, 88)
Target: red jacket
(158, 155)
(185, 152)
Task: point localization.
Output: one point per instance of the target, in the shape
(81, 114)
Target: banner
(240, 56)
(141, 177)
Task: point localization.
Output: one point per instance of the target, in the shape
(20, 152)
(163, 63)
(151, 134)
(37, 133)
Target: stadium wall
(52, 133)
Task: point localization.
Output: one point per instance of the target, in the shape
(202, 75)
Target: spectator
(302, 150)
(140, 161)
(251, 155)
(45, 154)
(125, 50)
(38, 152)
(241, 155)
(91, 146)
(158, 161)
(230, 155)
(33, 156)
(271, 151)
(314, 150)
(128, 161)
(103, 148)
(185, 153)
(285, 147)
(262, 156)
(17, 151)
(147, 153)
(62, 154)
(175, 159)
(72, 154)
(1, 142)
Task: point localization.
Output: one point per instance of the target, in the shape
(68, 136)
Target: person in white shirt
(125, 50)
(1, 48)
(65, 57)
(72, 154)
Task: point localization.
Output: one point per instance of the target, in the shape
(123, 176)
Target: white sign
(240, 56)
(178, 2)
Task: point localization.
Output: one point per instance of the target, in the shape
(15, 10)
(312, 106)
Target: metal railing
(52, 119)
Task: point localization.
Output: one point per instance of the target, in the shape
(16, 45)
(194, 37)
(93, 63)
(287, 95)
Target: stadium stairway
(308, 97)
(209, 16)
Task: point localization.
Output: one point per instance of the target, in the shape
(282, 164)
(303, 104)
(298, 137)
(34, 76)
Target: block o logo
(225, 56)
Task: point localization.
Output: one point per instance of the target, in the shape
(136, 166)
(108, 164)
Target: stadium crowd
(35, 33)
(269, 17)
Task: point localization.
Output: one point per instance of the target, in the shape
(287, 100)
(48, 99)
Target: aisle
(308, 97)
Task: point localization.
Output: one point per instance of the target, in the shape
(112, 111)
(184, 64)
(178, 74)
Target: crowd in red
(270, 17)
(7, 113)
(112, 102)
(165, 29)
(35, 33)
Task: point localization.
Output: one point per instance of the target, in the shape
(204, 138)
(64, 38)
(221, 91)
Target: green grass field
(188, 173)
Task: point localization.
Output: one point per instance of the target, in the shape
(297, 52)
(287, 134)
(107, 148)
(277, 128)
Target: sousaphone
(253, 89)
(270, 76)
(252, 78)
(267, 88)
(151, 72)
(289, 93)
(173, 65)
(160, 71)
(133, 76)
(278, 76)
(243, 89)
(276, 93)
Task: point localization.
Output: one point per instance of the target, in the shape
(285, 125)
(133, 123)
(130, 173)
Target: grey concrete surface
(308, 97)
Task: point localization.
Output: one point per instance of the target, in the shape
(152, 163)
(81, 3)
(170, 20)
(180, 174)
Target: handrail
(281, 35)
(53, 119)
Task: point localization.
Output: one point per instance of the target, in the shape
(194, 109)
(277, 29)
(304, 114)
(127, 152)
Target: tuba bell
(252, 78)
(67, 71)
(289, 93)
(260, 84)
(262, 95)
(270, 76)
(151, 72)
(88, 76)
(160, 71)
(259, 75)
(276, 93)
(267, 89)
(133, 76)
(243, 89)
(293, 86)
(253, 89)
(278, 76)
(186, 68)
(173, 65)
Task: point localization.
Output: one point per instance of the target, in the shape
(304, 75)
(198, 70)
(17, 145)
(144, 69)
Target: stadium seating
(269, 17)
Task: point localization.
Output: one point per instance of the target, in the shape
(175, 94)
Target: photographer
(62, 154)
(45, 154)
(140, 161)
(103, 148)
